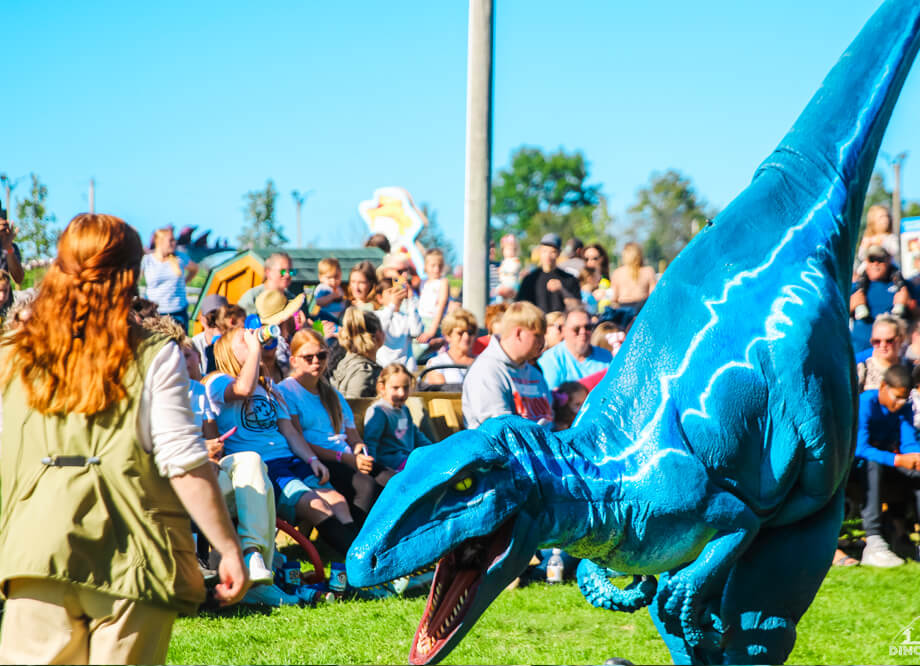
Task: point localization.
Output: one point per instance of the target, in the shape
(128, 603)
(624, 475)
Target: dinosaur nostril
(373, 562)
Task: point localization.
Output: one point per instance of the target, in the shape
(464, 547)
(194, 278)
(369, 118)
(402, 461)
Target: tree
(540, 193)
(36, 237)
(667, 214)
(879, 194)
(433, 236)
(259, 212)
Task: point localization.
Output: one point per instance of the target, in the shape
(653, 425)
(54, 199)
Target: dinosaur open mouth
(453, 590)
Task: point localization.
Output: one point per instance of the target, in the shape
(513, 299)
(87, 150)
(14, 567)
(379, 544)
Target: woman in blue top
(245, 401)
(165, 271)
(327, 423)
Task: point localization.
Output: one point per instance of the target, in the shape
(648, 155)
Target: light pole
(298, 201)
(477, 197)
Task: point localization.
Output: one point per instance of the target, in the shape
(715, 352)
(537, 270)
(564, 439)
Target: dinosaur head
(469, 503)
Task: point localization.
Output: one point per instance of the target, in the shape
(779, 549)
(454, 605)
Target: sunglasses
(285, 272)
(318, 356)
(578, 329)
(878, 342)
(876, 261)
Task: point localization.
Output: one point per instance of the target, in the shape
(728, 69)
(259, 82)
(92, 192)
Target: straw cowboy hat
(274, 307)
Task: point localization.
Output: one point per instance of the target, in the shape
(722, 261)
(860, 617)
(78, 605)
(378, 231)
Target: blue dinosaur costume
(715, 452)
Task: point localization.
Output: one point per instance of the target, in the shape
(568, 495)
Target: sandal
(846, 561)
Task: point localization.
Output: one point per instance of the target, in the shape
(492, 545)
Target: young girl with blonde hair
(361, 336)
(241, 397)
(389, 431)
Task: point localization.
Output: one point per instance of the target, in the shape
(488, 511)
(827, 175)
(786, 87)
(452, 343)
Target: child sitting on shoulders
(329, 295)
(389, 432)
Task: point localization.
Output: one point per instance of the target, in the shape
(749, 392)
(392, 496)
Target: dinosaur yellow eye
(464, 484)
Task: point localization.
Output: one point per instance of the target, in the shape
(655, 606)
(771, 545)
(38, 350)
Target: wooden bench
(437, 414)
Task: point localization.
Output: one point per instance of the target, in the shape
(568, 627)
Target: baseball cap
(212, 302)
(552, 240)
(877, 253)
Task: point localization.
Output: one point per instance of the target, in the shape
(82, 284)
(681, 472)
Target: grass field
(857, 614)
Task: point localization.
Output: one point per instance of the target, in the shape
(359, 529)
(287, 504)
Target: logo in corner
(907, 641)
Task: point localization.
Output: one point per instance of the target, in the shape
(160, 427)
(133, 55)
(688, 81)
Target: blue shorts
(291, 478)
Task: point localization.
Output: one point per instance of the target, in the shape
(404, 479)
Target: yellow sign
(393, 213)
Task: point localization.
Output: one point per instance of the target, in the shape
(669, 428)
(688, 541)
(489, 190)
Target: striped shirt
(164, 287)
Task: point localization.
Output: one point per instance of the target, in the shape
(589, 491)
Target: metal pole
(299, 204)
(896, 193)
(477, 199)
(92, 195)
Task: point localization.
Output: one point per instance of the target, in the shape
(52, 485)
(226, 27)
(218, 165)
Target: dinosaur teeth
(423, 645)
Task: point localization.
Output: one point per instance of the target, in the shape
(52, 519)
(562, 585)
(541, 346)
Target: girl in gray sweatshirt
(389, 431)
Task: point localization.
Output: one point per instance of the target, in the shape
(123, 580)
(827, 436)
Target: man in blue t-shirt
(887, 458)
(880, 289)
(575, 357)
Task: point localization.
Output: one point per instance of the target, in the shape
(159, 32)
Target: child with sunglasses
(324, 417)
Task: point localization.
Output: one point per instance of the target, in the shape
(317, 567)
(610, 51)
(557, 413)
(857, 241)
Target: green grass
(856, 615)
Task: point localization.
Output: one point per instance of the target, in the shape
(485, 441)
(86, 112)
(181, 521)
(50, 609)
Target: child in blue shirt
(887, 457)
(330, 297)
(389, 432)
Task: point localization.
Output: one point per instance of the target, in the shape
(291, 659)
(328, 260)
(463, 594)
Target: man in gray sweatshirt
(502, 379)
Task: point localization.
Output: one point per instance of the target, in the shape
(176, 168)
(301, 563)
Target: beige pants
(51, 622)
(243, 480)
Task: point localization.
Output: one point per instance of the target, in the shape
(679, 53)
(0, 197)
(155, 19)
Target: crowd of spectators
(884, 330)
(275, 408)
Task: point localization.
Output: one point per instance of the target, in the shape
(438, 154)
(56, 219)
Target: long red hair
(72, 354)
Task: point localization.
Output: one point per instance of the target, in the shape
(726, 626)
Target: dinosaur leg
(774, 582)
(681, 651)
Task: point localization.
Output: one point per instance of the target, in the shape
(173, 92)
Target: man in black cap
(547, 286)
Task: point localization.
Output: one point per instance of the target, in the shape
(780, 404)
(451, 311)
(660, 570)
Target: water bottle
(554, 567)
(268, 332)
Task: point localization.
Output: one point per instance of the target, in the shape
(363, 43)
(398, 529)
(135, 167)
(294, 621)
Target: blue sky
(178, 109)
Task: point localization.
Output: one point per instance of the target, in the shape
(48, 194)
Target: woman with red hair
(100, 460)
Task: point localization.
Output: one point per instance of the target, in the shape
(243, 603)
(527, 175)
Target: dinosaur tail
(836, 139)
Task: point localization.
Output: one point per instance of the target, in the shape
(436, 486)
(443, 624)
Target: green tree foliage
(259, 212)
(433, 236)
(36, 237)
(667, 214)
(879, 194)
(540, 193)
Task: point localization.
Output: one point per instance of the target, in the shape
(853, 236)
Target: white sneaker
(259, 574)
(269, 595)
(878, 554)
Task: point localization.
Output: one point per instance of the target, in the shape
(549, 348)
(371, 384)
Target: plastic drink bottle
(554, 567)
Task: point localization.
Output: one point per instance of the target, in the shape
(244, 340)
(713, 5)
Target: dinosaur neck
(833, 145)
(576, 489)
